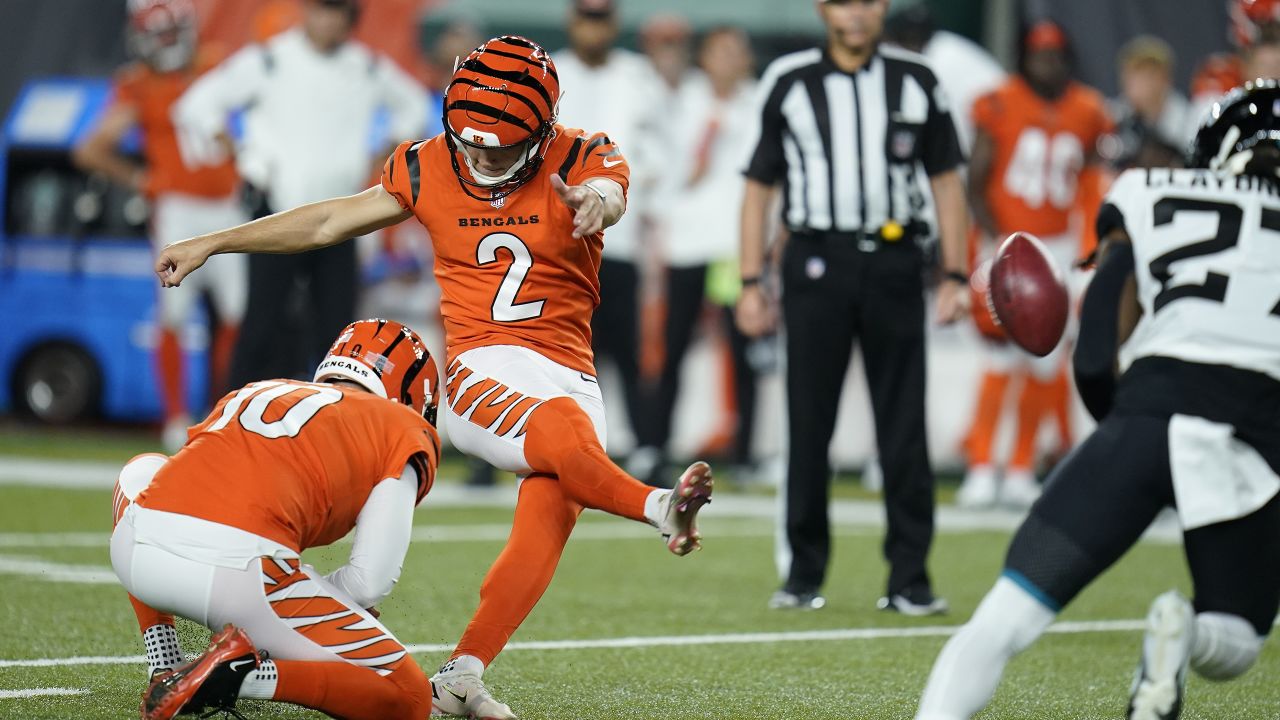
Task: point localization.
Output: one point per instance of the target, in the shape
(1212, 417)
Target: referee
(843, 131)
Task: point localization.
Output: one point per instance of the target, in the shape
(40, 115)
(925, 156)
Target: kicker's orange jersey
(152, 95)
(1040, 148)
(510, 271)
(293, 462)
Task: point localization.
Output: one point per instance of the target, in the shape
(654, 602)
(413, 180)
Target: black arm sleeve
(768, 162)
(1095, 354)
(941, 152)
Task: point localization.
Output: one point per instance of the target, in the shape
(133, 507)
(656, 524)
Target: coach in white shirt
(706, 135)
(310, 98)
(617, 92)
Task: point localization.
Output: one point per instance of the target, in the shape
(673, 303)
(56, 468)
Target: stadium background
(601, 642)
(82, 38)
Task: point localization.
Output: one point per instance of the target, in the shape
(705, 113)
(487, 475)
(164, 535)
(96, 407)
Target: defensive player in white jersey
(1189, 284)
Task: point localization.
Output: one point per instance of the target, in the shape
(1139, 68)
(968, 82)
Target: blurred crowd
(316, 111)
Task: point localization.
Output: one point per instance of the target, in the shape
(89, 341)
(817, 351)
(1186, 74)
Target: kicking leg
(562, 440)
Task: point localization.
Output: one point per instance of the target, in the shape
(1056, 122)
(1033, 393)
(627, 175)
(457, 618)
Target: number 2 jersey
(510, 271)
(1206, 252)
(293, 462)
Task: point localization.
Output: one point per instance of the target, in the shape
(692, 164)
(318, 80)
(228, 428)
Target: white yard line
(763, 638)
(40, 692)
(57, 572)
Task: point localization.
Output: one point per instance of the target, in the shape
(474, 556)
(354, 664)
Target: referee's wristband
(956, 276)
(750, 281)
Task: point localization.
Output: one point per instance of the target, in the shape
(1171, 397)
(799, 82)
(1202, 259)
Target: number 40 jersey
(1206, 250)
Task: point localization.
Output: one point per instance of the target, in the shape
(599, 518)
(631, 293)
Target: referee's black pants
(833, 293)
(283, 335)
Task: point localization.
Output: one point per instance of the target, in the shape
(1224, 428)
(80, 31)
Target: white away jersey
(1206, 251)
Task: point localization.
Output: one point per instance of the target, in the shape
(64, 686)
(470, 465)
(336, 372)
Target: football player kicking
(214, 533)
(1189, 283)
(515, 205)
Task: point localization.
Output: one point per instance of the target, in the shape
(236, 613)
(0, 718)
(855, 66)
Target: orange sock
(1033, 405)
(224, 343)
(169, 363)
(561, 441)
(543, 520)
(986, 416)
(351, 692)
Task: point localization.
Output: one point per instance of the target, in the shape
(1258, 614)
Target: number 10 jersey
(1206, 250)
(510, 271)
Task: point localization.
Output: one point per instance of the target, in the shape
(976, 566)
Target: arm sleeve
(404, 98)
(383, 531)
(767, 163)
(596, 156)
(941, 152)
(402, 174)
(1094, 359)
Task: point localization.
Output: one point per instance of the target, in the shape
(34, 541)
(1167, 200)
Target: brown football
(1028, 294)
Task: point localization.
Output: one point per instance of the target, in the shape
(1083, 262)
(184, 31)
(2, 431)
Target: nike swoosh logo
(460, 698)
(609, 164)
(237, 664)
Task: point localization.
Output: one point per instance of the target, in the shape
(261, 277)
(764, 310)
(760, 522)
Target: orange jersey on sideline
(1217, 75)
(1040, 148)
(511, 272)
(293, 462)
(152, 95)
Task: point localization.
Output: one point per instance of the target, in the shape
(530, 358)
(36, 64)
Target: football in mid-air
(1028, 295)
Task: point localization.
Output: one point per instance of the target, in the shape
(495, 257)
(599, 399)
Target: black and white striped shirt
(847, 145)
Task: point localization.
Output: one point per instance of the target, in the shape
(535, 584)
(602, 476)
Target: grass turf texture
(608, 588)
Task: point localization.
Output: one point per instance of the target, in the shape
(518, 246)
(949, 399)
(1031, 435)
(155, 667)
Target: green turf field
(617, 581)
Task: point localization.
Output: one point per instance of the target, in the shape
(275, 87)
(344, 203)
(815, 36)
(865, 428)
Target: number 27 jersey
(1206, 253)
(510, 271)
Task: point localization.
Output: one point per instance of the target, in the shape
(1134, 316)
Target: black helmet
(1241, 133)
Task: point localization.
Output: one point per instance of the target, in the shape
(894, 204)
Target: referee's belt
(890, 233)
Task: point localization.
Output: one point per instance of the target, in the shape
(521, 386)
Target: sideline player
(1034, 165)
(185, 201)
(278, 467)
(515, 204)
(1189, 283)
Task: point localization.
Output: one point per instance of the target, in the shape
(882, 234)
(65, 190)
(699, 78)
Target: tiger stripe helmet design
(502, 96)
(387, 359)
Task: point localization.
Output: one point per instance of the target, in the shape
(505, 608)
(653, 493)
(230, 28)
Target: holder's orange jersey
(152, 95)
(510, 271)
(293, 462)
(1040, 149)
